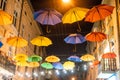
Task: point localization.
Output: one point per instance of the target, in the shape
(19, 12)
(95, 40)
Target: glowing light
(65, 71)
(35, 74)
(72, 78)
(27, 74)
(49, 72)
(66, 1)
(42, 73)
(57, 72)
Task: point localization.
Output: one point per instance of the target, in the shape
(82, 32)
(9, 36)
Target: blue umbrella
(74, 58)
(48, 16)
(1, 44)
(74, 39)
(57, 65)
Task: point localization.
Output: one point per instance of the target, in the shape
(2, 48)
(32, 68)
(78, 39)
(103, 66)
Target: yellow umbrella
(17, 41)
(74, 15)
(22, 63)
(33, 64)
(68, 65)
(88, 57)
(5, 18)
(20, 57)
(52, 58)
(41, 41)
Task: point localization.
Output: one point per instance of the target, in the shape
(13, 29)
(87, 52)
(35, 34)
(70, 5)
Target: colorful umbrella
(5, 18)
(68, 65)
(96, 62)
(48, 16)
(22, 63)
(74, 15)
(33, 64)
(74, 59)
(99, 12)
(47, 65)
(52, 58)
(41, 41)
(1, 44)
(34, 58)
(95, 36)
(74, 39)
(87, 57)
(17, 41)
(20, 57)
(109, 55)
(57, 65)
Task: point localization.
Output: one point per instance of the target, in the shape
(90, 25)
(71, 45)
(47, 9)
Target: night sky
(60, 31)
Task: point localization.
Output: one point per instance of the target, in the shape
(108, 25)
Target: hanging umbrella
(1, 44)
(17, 41)
(99, 12)
(41, 41)
(33, 64)
(20, 57)
(5, 18)
(74, 59)
(95, 36)
(48, 16)
(68, 65)
(34, 58)
(47, 65)
(57, 65)
(96, 62)
(87, 57)
(22, 63)
(74, 15)
(52, 58)
(74, 39)
(109, 55)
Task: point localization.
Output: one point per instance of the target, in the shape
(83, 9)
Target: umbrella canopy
(17, 41)
(87, 57)
(109, 55)
(1, 44)
(48, 16)
(33, 64)
(22, 63)
(74, 59)
(74, 39)
(34, 58)
(20, 57)
(5, 18)
(52, 58)
(57, 65)
(99, 12)
(68, 65)
(95, 36)
(74, 15)
(47, 65)
(41, 41)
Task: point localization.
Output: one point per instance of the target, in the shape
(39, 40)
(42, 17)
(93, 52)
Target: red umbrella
(109, 55)
(95, 36)
(98, 12)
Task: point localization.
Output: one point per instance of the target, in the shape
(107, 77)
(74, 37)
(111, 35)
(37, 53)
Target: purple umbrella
(74, 58)
(48, 16)
(57, 65)
(74, 39)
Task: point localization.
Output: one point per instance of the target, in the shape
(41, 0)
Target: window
(22, 30)
(3, 4)
(14, 18)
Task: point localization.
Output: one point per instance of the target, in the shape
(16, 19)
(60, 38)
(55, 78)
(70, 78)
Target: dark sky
(60, 31)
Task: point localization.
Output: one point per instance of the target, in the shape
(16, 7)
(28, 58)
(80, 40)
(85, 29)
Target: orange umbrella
(33, 64)
(98, 12)
(95, 36)
(17, 41)
(5, 18)
(87, 57)
(52, 59)
(22, 63)
(109, 55)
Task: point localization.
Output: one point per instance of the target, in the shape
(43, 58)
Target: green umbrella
(34, 58)
(47, 65)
